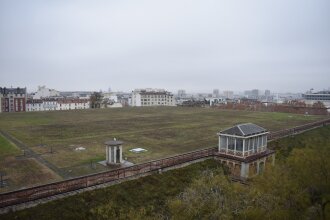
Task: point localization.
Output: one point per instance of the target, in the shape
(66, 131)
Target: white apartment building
(56, 104)
(110, 96)
(152, 97)
(322, 96)
(44, 92)
(33, 105)
(71, 104)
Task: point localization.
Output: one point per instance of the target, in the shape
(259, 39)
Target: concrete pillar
(107, 154)
(235, 146)
(110, 155)
(121, 154)
(244, 170)
(243, 147)
(115, 154)
(258, 167)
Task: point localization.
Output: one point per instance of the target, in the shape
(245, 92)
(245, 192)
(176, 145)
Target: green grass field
(163, 131)
(316, 137)
(7, 148)
(152, 192)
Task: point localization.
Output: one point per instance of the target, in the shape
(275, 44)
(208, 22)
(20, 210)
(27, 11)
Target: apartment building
(70, 104)
(152, 97)
(12, 99)
(56, 104)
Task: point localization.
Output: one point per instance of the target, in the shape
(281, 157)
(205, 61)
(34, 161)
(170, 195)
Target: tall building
(267, 93)
(228, 94)
(182, 93)
(215, 93)
(13, 99)
(255, 93)
(152, 97)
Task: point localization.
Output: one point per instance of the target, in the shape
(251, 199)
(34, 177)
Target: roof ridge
(240, 129)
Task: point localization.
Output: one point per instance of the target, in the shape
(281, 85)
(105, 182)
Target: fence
(43, 191)
(38, 192)
(297, 129)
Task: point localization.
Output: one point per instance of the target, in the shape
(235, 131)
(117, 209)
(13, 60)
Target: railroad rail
(74, 184)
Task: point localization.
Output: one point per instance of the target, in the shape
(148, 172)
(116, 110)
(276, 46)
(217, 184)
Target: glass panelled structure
(243, 140)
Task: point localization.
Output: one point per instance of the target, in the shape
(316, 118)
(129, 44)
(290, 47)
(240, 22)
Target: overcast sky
(281, 45)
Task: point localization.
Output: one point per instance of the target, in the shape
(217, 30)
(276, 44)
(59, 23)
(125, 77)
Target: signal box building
(244, 149)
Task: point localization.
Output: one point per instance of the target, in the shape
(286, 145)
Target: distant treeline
(289, 107)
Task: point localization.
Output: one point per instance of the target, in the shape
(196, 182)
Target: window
(239, 144)
(223, 142)
(264, 140)
(259, 141)
(255, 144)
(249, 144)
(231, 143)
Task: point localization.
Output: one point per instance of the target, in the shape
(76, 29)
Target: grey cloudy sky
(197, 45)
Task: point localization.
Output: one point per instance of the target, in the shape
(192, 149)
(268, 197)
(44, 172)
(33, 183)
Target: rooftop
(5, 91)
(113, 143)
(244, 130)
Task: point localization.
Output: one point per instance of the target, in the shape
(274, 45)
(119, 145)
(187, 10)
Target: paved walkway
(31, 154)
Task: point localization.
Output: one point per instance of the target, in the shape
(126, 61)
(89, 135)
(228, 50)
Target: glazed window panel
(260, 141)
(223, 142)
(264, 140)
(250, 144)
(231, 143)
(239, 144)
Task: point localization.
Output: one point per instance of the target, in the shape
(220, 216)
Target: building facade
(56, 104)
(152, 97)
(215, 93)
(228, 94)
(13, 99)
(33, 105)
(322, 96)
(71, 104)
(244, 149)
(44, 92)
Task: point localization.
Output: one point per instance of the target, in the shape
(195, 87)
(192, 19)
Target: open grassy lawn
(21, 173)
(163, 131)
(316, 137)
(153, 191)
(7, 148)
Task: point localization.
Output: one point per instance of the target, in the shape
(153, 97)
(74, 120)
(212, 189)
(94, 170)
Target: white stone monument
(114, 152)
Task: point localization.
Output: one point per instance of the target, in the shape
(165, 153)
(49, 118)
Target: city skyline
(197, 46)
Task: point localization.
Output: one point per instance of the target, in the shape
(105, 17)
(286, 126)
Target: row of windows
(155, 96)
(152, 103)
(45, 104)
(52, 109)
(251, 144)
